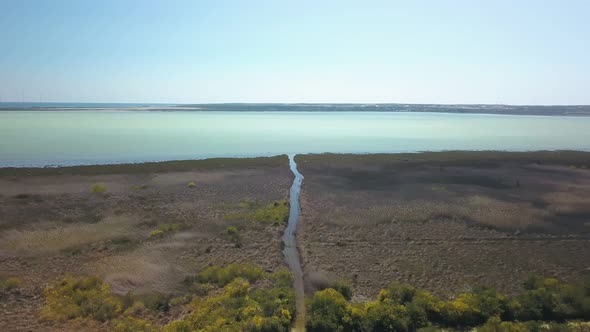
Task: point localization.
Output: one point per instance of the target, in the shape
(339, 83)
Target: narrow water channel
(290, 245)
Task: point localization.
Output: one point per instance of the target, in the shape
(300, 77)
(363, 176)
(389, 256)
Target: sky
(497, 52)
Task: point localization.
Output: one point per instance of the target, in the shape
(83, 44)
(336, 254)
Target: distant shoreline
(546, 110)
(548, 156)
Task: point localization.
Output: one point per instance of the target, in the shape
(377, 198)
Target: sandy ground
(51, 224)
(445, 222)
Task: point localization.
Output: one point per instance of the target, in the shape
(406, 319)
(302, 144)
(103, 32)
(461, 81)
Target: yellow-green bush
(277, 212)
(98, 188)
(191, 184)
(223, 275)
(132, 324)
(80, 298)
(401, 307)
(231, 230)
(165, 229)
(240, 306)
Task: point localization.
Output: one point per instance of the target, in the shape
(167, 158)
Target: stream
(290, 246)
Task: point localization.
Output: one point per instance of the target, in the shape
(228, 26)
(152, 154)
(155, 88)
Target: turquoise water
(40, 138)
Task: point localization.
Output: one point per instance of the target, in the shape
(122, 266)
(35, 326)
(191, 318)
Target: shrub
(384, 316)
(276, 212)
(223, 275)
(155, 301)
(98, 188)
(191, 184)
(397, 293)
(231, 230)
(283, 278)
(165, 229)
(131, 324)
(80, 298)
(239, 307)
(343, 287)
(156, 233)
(326, 311)
(8, 284)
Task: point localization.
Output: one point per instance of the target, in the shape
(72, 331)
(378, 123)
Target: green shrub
(98, 188)
(231, 230)
(80, 298)
(401, 307)
(9, 284)
(155, 301)
(131, 324)
(191, 184)
(274, 213)
(277, 212)
(165, 229)
(328, 311)
(223, 275)
(343, 287)
(239, 307)
(156, 233)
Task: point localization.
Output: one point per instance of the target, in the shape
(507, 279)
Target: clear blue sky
(515, 52)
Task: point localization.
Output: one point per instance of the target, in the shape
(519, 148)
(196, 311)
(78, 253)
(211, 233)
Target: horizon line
(291, 103)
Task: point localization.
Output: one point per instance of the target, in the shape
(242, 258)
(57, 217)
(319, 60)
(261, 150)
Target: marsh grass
(65, 237)
(478, 210)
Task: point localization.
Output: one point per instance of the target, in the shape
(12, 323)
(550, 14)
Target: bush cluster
(401, 307)
(239, 306)
(91, 298)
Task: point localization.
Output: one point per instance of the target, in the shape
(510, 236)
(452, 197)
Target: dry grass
(445, 221)
(61, 237)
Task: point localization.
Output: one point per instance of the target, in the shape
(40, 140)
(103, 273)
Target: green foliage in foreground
(80, 298)
(232, 298)
(239, 308)
(275, 213)
(401, 307)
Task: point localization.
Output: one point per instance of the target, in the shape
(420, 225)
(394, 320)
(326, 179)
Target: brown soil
(51, 224)
(445, 221)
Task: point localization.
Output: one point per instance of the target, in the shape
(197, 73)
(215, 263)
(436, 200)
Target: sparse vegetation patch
(276, 213)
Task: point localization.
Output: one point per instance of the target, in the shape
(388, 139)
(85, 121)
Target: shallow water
(290, 250)
(40, 138)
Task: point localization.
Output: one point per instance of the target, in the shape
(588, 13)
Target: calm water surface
(40, 138)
